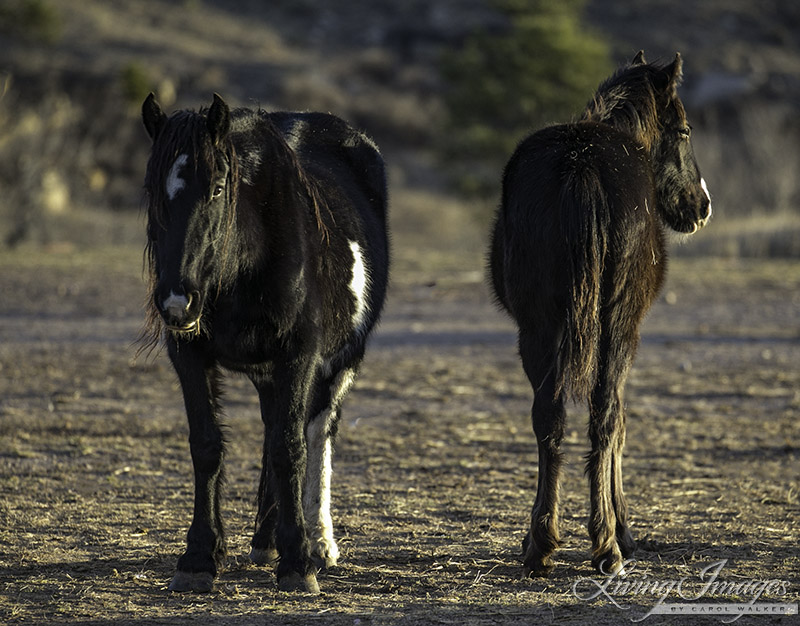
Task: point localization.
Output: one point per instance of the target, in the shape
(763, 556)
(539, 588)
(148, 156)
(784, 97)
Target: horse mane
(629, 102)
(308, 188)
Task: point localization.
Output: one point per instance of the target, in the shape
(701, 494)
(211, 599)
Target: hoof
(197, 582)
(322, 563)
(627, 544)
(608, 564)
(262, 556)
(295, 582)
(525, 543)
(325, 557)
(537, 568)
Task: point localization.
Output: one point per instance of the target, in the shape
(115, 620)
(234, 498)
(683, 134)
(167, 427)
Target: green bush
(136, 83)
(541, 69)
(33, 19)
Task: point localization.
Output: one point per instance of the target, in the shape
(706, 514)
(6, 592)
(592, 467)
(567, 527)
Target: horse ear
(639, 59)
(677, 69)
(675, 74)
(218, 120)
(668, 79)
(152, 116)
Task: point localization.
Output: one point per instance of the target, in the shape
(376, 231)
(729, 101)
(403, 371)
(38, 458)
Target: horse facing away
(268, 256)
(577, 257)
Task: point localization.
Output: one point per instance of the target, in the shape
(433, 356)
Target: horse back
(569, 189)
(334, 153)
(347, 171)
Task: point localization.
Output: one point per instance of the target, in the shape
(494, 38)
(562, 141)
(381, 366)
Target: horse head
(190, 183)
(683, 197)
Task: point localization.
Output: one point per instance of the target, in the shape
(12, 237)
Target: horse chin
(192, 328)
(693, 227)
(681, 236)
(684, 229)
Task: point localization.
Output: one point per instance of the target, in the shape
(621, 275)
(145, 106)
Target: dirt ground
(435, 467)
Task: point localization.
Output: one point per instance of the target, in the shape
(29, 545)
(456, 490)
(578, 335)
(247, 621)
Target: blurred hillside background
(446, 88)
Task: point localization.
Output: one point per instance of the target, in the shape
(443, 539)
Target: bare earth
(435, 468)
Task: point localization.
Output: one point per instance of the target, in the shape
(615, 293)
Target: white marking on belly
(359, 285)
(174, 182)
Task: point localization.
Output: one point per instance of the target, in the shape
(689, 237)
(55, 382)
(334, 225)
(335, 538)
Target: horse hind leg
(612, 542)
(320, 432)
(627, 544)
(262, 547)
(548, 416)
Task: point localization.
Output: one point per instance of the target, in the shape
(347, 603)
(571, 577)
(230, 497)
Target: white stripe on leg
(317, 492)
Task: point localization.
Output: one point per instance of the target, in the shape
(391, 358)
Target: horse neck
(277, 206)
(634, 115)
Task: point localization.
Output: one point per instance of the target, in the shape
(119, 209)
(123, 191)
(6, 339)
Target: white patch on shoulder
(174, 182)
(359, 285)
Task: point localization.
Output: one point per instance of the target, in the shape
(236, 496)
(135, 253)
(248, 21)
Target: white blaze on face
(174, 182)
(359, 284)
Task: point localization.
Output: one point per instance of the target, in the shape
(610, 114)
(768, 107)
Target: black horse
(577, 257)
(268, 255)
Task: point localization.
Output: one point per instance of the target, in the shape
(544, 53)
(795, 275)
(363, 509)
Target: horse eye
(218, 189)
(685, 132)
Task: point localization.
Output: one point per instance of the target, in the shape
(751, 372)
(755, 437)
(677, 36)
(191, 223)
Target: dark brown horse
(577, 258)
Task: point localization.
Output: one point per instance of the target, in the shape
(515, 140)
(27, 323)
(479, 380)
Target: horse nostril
(193, 296)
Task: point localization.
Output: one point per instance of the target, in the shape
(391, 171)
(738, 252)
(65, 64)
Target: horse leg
(286, 452)
(262, 546)
(320, 433)
(205, 551)
(548, 416)
(611, 539)
(627, 544)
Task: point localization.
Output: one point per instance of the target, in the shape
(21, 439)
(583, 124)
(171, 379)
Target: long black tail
(584, 226)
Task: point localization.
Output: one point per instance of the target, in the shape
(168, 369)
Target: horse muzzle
(705, 215)
(181, 311)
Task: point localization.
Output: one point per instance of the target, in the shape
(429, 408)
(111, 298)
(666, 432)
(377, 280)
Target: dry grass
(435, 466)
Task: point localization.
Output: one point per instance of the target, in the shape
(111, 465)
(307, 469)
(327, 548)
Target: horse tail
(584, 226)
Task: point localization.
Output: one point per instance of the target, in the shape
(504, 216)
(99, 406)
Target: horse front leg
(286, 456)
(548, 416)
(205, 550)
